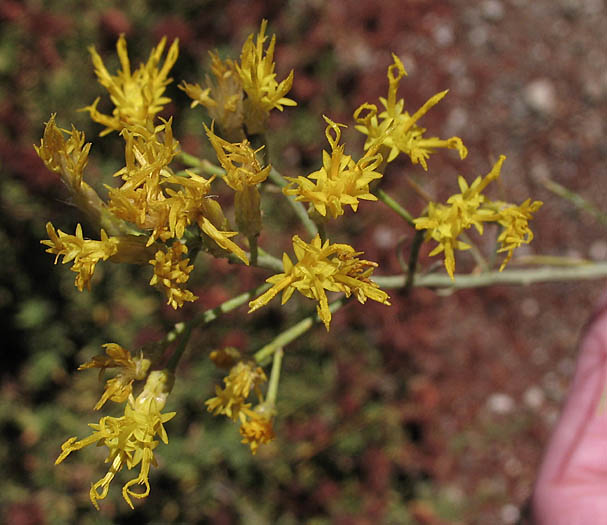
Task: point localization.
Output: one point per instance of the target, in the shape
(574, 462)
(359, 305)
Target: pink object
(571, 488)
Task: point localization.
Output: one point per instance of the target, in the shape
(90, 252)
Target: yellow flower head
(171, 272)
(230, 401)
(240, 162)
(225, 357)
(445, 222)
(154, 199)
(340, 182)
(68, 158)
(514, 220)
(130, 369)
(258, 79)
(396, 130)
(323, 266)
(84, 253)
(193, 204)
(257, 429)
(140, 199)
(137, 96)
(130, 438)
(243, 173)
(223, 97)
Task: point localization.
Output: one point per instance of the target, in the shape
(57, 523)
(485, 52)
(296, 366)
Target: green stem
(269, 262)
(254, 250)
(298, 207)
(185, 329)
(264, 260)
(204, 165)
(575, 198)
(510, 277)
(263, 354)
(274, 377)
(321, 231)
(394, 206)
(413, 256)
(183, 343)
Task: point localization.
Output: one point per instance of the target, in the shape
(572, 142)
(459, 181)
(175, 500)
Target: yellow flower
(255, 425)
(223, 97)
(225, 357)
(240, 162)
(445, 222)
(230, 401)
(68, 158)
(137, 96)
(257, 429)
(154, 199)
(226, 403)
(340, 182)
(130, 368)
(258, 79)
(243, 173)
(396, 130)
(323, 266)
(84, 253)
(193, 204)
(140, 199)
(130, 438)
(514, 220)
(171, 272)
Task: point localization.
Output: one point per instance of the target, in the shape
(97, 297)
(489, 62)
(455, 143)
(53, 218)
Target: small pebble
(540, 95)
(500, 403)
(510, 513)
(492, 10)
(534, 397)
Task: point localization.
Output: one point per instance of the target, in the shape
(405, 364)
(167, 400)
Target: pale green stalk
(263, 354)
(394, 206)
(274, 377)
(575, 198)
(185, 329)
(511, 277)
(298, 207)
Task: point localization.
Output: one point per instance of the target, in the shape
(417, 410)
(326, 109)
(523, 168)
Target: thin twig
(510, 277)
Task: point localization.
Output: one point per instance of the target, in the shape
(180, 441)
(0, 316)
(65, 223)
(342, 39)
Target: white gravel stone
(492, 10)
(534, 397)
(500, 403)
(510, 513)
(540, 95)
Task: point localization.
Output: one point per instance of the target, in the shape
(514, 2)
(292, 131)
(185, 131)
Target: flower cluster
(395, 131)
(255, 423)
(130, 439)
(243, 174)
(340, 182)
(171, 271)
(131, 369)
(323, 267)
(245, 92)
(137, 96)
(146, 217)
(444, 223)
(162, 218)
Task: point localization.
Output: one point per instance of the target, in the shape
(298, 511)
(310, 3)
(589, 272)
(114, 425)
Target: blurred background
(434, 410)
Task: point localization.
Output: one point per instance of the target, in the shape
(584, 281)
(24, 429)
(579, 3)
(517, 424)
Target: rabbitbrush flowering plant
(167, 220)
